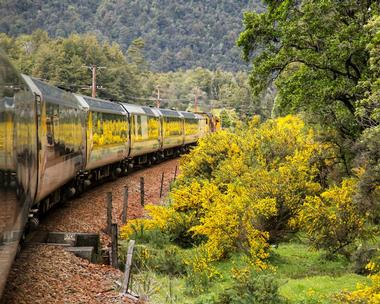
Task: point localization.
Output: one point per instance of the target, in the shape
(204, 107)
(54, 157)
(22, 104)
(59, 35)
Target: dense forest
(177, 34)
(125, 76)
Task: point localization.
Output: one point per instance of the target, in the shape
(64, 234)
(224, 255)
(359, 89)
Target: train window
(173, 126)
(137, 127)
(145, 127)
(108, 129)
(153, 127)
(191, 126)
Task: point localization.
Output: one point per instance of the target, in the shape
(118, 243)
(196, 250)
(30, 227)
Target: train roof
(50, 93)
(170, 113)
(189, 115)
(137, 109)
(102, 105)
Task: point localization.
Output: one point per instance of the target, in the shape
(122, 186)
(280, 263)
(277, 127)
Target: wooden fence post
(142, 192)
(128, 266)
(109, 212)
(162, 183)
(125, 206)
(175, 172)
(114, 246)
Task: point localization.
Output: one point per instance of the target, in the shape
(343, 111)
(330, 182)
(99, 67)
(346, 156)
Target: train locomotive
(55, 144)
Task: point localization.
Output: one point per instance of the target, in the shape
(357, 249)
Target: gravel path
(49, 274)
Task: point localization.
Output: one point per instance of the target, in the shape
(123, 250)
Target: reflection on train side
(191, 126)
(107, 129)
(172, 126)
(17, 162)
(145, 127)
(62, 132)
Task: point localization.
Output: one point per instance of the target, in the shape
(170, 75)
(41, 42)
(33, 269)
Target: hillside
(177, 34)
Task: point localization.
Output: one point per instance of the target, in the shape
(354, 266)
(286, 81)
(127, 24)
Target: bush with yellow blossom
(334, 219)
(368, 293)
(239, 191)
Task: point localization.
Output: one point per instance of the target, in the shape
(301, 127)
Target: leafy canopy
(317, 53)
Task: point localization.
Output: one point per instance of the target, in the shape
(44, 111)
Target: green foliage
(252, 287)
(362, 256)
(166, 261)
(228, 117)
(368, 159)
(215, 89)
(334, 220)
(154, 237)
(64, 62)
(200, 272)
(322, 56)
(178, 34)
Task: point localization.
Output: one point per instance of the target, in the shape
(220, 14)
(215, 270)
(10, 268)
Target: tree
(316, 52)
(63, 62)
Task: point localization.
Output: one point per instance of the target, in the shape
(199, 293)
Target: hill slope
(177, 34)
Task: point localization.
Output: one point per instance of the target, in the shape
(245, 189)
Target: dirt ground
(49, 274)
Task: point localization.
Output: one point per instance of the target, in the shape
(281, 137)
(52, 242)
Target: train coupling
(33, 220)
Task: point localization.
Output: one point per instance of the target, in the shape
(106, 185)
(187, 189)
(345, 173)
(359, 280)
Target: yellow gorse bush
(237, 191)
(365, 293)
(334, 220)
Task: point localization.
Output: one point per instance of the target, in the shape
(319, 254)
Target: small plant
(200, 272)
(165, 261)
(145, 285)
(251, 286)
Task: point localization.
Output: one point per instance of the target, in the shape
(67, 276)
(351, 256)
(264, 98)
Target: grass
(294, 260)
(305, 276)
(319, 289)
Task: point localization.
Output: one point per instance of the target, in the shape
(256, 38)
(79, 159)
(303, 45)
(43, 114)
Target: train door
(27, 109)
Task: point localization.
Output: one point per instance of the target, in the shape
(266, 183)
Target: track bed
(49, 274)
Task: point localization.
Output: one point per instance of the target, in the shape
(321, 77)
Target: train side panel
(145, 130)
(60, 121)
(107, 131)
(191, 129)
(7, 164)
(172, 129)
(14, 211)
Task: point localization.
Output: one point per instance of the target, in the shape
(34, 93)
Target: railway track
(34, 275)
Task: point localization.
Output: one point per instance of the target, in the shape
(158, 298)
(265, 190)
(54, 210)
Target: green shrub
(165, 261)
(155, 237)
(252, 287)
(361, 257)
(201, 272)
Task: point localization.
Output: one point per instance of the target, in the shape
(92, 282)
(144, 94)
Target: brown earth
(49, 274)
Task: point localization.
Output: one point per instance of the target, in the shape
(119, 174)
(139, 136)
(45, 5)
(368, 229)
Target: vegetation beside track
(254, 214)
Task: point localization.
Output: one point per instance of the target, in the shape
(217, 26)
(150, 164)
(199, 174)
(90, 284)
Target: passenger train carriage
(54, 144)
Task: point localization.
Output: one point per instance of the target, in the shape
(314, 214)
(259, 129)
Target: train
(54, 144)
